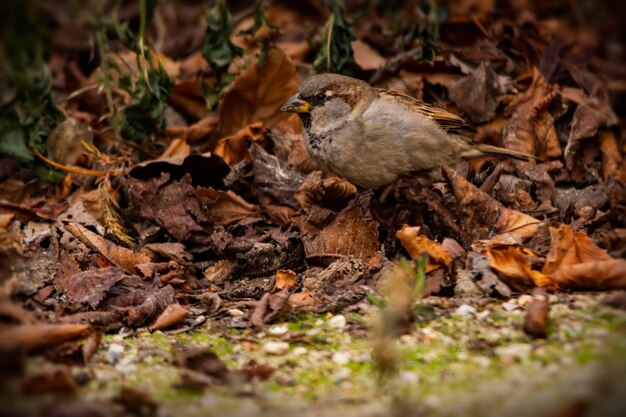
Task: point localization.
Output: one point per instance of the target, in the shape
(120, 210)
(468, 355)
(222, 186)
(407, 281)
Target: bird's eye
(320, 97)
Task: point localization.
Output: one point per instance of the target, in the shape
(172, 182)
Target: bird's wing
(449, 122)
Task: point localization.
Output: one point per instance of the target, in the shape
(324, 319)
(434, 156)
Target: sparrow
(373, 137)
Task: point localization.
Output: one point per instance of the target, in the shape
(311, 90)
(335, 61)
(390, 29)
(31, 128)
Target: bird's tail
(488, 150)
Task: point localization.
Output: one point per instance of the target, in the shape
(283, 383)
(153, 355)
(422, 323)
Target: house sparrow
(373, 137)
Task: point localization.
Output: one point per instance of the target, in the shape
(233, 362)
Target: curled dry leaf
(65, 142)
(225, 207)
(366, 57)
(285, 279)
(536, 322)
(588, 119)
(569, 248)
(30, 337)
(234, 148)
(117, 255)
(269, 307)
(611, 157)
(416, 245)
(204, 362)
(56, 379)
(529, 130)
(352, 232)
(327, 191)
(481, 215)
(258, 93)
(173, 314)
(515, 265)
(90, 286)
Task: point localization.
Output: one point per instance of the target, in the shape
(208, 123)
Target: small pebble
(483, 315)
(299, 351)
(518, 351)
(508, 306)
(337, 322)
(114, 353)
(553, 299)
(465, 310)
(235, 312)
(407, 377)
(342, 374)
(524, 300)
(276, 348)
(278, 330)
(341, 358)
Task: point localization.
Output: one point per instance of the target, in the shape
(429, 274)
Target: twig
(393, 64)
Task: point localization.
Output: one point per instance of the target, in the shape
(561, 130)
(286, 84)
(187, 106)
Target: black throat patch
(306, 120)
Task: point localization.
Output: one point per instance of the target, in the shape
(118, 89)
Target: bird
(374, 137)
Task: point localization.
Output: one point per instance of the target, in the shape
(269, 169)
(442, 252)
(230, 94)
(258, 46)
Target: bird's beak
(296, 105)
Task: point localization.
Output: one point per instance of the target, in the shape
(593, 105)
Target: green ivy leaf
(146, 113)
(218, 50)
(335, 53)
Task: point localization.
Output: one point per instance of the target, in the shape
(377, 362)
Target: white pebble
(114, 353)
(483, 315)
(465, 310)
(342, 374)
(407, 377)
(341, 358)
(517, 351)
(524, 300)
(278, 330)
(508, 306)
(235, 312)
(299, 351)
(276, 348)
(337, 322)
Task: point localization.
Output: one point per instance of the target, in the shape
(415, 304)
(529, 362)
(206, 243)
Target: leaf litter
(159, 191)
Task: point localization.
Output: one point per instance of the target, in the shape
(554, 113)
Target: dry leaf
(415, 245)
(285, 279)
(225, 207)
(352, 232)
(30, 337)
(514, 264)
(258, 93)
(234, 148)
(366, 57)
(173, 314)
(115, 254)
(569, 248)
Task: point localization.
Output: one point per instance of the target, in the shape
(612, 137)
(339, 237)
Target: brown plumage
(372, 137)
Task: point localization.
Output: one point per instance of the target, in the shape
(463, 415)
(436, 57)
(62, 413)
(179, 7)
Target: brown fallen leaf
(173, 314)
(611, 157)
(568, 248)
(65, 142)
(225, 207)
(323, 191)
(285, 279)
(588, 119)
(594, 275)
(234, 148)
(514, 265)
(205, 362)
(89, 287)
(178, 148)
(536, 321)
(258, 93)
(269, 307)
(57, 379)
(482, 216)
(30, 337)
(351, 232)
(366, 57)
(117, 255)
(416, 245)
